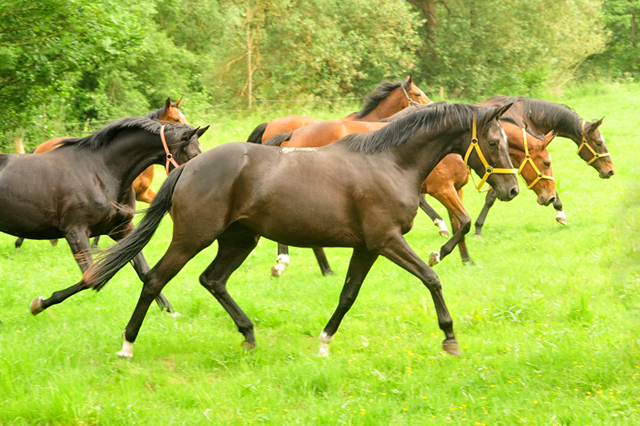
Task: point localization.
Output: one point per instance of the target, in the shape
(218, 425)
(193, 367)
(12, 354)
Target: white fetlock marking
(444, 231)
(561, 217)
(127, 348)
(325, 341)
(281, 264)
(434, 259)
(175, 314)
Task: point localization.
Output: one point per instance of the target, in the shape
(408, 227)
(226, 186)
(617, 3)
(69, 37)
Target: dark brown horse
(543, 117)
(360, 192)
(170, 113)
(387, 99)
(444, 183)
(88, 190)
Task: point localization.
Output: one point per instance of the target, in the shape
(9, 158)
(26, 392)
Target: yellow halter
(488, 169)
(527, 159)
(584, 143)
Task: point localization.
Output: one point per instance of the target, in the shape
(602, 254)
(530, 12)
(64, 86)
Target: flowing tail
(109, 262)
(276, 140)
(256, 135)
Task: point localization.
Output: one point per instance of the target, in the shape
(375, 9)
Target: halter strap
(488, 170)
(170, 159)
(411, 101)
(527, 159)
(584, 143)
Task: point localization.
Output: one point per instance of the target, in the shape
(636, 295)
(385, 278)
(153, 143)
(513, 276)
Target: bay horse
(360, 192)
(88, 191)
(544, 116)
(387, 99)
(169, 112)
(444, 183)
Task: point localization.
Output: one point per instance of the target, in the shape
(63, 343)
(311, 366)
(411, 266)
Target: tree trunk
(634, 28)
(428, 9)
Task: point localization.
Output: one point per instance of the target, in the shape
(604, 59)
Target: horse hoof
(562, 220)
(54, 242)
(445, 233)
(277, 270)
(174, 314)
(329, 272)
(36, 305)
(247, 346)
(450, 346)
(125, 354)
(434, 259)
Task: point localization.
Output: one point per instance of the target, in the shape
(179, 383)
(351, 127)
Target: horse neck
(568, 126)
(387, 107)
(129, 155)
(422, 152)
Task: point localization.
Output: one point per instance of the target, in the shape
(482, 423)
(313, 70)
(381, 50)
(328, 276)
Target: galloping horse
(544, 116)
(444, 183)
(387, 99)
(360, 192)
(88, 189)
(169, 112)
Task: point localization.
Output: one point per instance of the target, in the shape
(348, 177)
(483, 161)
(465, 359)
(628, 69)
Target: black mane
(548, 114)
(382, 91)
(437, 118)
(106, 134)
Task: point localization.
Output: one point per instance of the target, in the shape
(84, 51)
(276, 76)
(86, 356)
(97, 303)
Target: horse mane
(548, 114)
(106, 134)
(154, 115)
(437, 118)
(381, 92)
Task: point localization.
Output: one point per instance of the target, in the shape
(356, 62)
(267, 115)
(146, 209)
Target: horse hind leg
(79, 244)
(434, 216)
(323, 262)
(233, 249)
(460, 222)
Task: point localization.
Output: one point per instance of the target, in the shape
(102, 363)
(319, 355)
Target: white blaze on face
(602, 136)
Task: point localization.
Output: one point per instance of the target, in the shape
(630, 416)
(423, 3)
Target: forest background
(69, 66)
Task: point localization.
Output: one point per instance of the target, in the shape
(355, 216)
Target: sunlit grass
(547, 320)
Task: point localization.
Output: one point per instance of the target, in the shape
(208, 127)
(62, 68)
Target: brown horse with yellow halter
(169, 112)
(542, 117)
(387, 99)
(444, 183)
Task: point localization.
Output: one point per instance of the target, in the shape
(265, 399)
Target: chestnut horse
(169, 112)
(445, 182)
(544, 116)
(387, 99)
(361, 192)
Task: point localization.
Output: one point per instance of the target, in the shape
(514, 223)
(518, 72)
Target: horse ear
(407, 82)
(167, 104)
(549, 137)
(500, 111)
(178, 102)
(200, 131)
(594, 126)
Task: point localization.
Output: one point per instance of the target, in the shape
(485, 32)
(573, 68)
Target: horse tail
(277, 140)
(109, 262)
(256, 135)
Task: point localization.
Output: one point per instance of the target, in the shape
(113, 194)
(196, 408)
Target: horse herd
(362, 190)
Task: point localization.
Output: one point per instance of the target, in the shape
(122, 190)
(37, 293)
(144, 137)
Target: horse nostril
(514, 192)
(611, 172)
(551, 200)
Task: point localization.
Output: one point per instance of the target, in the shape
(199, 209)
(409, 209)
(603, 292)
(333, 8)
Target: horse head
(593, 149)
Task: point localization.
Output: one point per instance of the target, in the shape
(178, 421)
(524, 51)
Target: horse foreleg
(488, 203)
(560, 216)
(79, 244)
(282, 261)
(94, 244)
(19, 242)
(460, 223)
(434, 216)
(399, 252)
(361, 262)
(232, 251)
(321, 257)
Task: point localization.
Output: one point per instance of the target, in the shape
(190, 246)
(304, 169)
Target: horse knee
(216, 288)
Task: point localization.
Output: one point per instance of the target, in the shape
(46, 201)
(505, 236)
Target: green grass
(548, 319)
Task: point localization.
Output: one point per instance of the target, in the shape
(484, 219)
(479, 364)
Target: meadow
(547, 319)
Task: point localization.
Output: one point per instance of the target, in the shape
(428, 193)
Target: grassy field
(548, 319)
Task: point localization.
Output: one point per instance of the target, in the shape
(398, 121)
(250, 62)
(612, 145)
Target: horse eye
(493, 144)
(418, 95)
(598, 143)
(546, 164)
